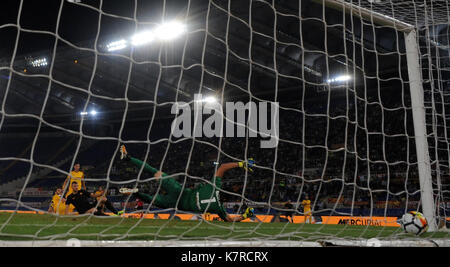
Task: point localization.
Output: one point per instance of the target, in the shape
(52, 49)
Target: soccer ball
(414, 222)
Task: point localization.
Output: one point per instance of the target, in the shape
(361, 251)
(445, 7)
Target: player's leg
(169, 184)
(147, 167)
(110, 207)
(160, 201)
(97, 208)
(105, 203)
(71, 208)
(288, 217)
(124, 155)
(308, 217)
(91, 211)
(61, 209)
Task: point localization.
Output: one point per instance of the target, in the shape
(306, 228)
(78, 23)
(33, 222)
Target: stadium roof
(289, 56)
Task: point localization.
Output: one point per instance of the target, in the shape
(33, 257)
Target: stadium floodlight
(142, 38)
(209, 99)
(41, 62)
(169, 31)
(164, 32)
(92, 113)
(340, 79)
(117, 45)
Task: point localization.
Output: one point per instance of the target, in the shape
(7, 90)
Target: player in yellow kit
(307, 209)
(58, 205)
(76, 176)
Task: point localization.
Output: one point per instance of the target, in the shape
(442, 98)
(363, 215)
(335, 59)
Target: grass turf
(46, 227)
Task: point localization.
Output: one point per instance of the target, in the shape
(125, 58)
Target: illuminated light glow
(39, 62)
(164, 32)
(117, 45)
(142, 38)
(209, 99)
(92, 113)
(170, 31)
(339, 79)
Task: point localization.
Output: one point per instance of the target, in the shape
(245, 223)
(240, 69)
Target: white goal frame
(424, 162)
(417, 97)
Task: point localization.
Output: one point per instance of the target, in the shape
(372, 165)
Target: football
(414, 222)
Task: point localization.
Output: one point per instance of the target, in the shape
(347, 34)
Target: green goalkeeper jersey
(204, 198)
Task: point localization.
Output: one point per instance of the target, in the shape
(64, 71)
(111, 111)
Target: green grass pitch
(49, 227)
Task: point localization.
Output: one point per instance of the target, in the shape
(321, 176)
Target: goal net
(333, 111)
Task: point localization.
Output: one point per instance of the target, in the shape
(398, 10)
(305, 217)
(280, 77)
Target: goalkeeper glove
(248, 213)
(247, 164)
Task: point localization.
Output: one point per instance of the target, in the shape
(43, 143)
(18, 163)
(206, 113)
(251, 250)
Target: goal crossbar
(367, 14)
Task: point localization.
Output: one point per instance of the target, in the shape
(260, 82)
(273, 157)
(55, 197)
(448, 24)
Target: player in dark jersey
(87, 203)
(105, 203)
(203, 198)
(289, 213)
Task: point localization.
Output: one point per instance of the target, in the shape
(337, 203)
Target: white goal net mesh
(81, 78)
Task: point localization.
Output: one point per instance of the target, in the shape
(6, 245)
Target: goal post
(418, 109)
(417, 95)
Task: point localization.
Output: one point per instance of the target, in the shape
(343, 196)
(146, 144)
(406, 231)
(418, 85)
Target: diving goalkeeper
(203, 198)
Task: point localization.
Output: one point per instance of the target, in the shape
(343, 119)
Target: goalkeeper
(203, 198)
